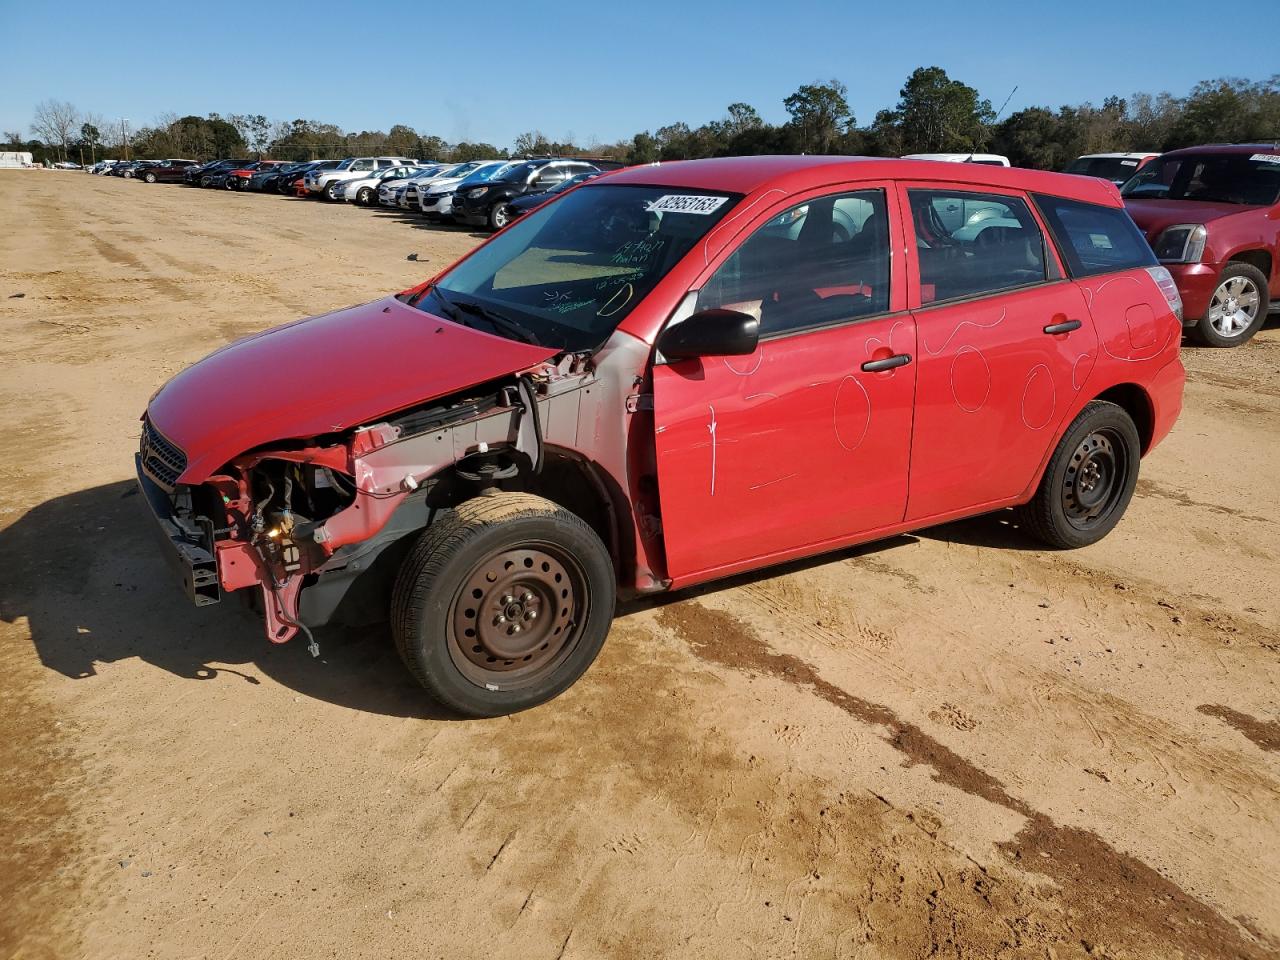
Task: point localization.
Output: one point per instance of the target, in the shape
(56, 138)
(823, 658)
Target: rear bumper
(1166, 399)
(187, 547)
(1196, 283)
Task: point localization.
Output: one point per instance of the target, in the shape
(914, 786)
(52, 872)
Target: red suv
(1212, 215)
(664, 376)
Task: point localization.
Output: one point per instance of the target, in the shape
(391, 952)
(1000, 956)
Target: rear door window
(971, 244)
(1094, 239)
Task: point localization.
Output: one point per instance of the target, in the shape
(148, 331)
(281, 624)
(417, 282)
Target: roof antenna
(969, 159)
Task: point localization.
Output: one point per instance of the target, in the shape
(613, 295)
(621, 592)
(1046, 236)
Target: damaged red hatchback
(667, 375)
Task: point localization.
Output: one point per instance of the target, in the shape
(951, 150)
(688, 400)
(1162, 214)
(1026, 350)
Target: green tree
(820, 114)
(936, 114)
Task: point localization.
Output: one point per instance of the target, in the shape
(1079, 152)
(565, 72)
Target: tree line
(934, 114)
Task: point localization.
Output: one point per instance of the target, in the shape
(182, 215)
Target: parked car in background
(226, 178)
(1212, 215)
(102, 167)
(238, 178)
(486, 204)
(1116, 167)
(166, 171)
(985, 159)
(126, 169)
(196, 174)
(364, 190)
(67, 165)
(324, 183)
(435, 197)
(266, 178)
(293, 185)
(531, 201)
(405, 193)
(568, 423)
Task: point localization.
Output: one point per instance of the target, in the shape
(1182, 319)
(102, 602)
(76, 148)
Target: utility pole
(124, 130)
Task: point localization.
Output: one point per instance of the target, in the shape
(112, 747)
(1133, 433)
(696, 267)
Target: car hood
(1154, 216)
(322, 375)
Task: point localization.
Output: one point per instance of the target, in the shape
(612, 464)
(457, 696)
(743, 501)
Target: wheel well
(1256, 258)
(577, 485)
(1137, 404)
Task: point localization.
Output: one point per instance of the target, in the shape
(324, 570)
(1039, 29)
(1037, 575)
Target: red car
(238, 179)
(1212, 215)
(666, 376)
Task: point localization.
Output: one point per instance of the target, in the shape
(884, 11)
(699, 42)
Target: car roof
(791, 174)
(1102, 156)
(1219, 148)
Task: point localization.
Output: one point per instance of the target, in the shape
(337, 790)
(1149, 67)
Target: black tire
(150, 178)
(499, 215)
(1213, 329)
(1089, 481)
(331, 192)
(365, 196)
(520, 554)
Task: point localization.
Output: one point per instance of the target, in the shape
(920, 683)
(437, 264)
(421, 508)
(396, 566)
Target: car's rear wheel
(365, 196)
(502, 604)
(499, 215)
(150, 178)
(229, 183)
(1237, 309)
(1089, 481)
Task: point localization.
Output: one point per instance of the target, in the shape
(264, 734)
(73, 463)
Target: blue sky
(489, 70)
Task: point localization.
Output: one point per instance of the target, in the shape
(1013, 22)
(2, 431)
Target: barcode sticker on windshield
(1266, 157)
(682, 203)
(1128, 163)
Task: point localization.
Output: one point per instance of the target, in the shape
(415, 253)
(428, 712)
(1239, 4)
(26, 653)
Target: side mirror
(711, 333)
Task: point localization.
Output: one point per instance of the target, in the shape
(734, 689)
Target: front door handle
(888, 363)
(1064, 327)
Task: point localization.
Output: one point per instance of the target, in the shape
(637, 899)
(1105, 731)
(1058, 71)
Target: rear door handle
(1065, 327)
(888, 363)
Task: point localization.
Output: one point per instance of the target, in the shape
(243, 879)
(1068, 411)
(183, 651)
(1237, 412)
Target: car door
(1004, 345)
(805, 442)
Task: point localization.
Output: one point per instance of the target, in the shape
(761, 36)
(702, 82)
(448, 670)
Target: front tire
(365, 196)
(1089, 481)
(150, 178)
(499, 215)
(502, 604)
(331, 192)
(1237, 309)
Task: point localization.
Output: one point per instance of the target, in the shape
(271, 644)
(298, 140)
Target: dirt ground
(952, 744)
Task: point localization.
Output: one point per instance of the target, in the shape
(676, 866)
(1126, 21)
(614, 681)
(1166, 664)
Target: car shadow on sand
(87, 574)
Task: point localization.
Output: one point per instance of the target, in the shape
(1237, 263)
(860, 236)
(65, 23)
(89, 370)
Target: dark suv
(194, 175)
(486, 204)
(1212, 215)
(165, 171)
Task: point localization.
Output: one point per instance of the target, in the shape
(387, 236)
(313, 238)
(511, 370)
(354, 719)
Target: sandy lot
(953, 744)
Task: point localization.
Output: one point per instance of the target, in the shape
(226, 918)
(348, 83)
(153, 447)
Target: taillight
(1164, 280)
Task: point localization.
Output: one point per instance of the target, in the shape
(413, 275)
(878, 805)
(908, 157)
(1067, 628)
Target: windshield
(519, 173)
(1118, 169)
(486, 173)
(570, 272)
(1252, 180)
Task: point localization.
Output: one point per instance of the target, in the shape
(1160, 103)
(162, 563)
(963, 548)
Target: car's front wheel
(1089, 481)
(499, 215)
(502, 604)
(1237, 309)
(150, 178)
(229, 183)
(331, 191)
(365, 196)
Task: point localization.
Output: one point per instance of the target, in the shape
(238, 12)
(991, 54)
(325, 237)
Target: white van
(989, 159)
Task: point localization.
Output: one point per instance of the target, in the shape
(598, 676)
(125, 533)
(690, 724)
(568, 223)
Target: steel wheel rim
(517, 616)
(1234, 306)
(1095, 479)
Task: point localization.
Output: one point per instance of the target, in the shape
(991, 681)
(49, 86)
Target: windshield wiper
(499, 321)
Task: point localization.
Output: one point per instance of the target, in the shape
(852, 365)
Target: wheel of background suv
(150, 178)
(331, 191)
(1089, 481)
(502, 604)
(365, 196)
(499, 216)
(1237, 309)
(228, 184)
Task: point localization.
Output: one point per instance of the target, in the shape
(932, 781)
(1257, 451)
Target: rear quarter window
(1094, 239)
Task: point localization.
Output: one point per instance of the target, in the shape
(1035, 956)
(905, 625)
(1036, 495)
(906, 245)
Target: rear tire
(1089, 481)
(502, 604)
(1237, 309)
